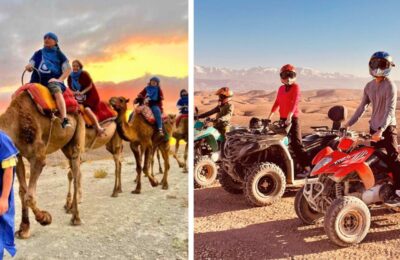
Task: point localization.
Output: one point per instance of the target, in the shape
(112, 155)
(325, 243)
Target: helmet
(380, 64)
(288, 74)
(225, 91)
(156, 79)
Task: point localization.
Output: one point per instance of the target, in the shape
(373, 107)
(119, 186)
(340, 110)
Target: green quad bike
(259, 162)
(207, 141)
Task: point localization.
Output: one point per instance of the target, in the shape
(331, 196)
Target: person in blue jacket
(8, 159)
(54, 68)
(183, 102)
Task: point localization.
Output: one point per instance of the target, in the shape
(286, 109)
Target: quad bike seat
(337, 114)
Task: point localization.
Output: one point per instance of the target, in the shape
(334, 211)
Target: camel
(93, 141)
(35, 136)
(140, 134)
(181, 132)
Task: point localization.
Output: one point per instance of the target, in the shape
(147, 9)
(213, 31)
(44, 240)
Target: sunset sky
(116, 41)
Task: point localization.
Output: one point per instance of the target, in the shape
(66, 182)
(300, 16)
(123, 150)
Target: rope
(53, 118)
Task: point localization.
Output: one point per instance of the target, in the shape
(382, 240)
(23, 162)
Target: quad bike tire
(347, 221)
(205, 172)
(303, 210)
(228, 183)
(264, 185)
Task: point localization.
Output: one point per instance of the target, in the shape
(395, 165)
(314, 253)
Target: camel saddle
(147, 114)
(103, 112)
(45, 102)
(179, 118)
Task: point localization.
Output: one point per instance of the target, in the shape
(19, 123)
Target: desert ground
(152, 225)
(227, 227)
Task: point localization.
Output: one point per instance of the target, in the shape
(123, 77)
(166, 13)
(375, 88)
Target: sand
(152, 225)
(227, 227)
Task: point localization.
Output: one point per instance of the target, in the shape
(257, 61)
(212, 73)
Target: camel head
(120, 104)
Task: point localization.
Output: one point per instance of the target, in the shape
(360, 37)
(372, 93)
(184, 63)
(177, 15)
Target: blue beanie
(155, 79)
(51, 36)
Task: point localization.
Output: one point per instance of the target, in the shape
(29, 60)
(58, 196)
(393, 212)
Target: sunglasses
(379, 64)
(288, 74)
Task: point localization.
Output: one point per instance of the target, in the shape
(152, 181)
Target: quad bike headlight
(324, 161)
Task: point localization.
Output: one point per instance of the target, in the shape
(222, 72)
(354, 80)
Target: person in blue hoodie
(8, 159)
(54, 68)
(182, 105)
(154, 96)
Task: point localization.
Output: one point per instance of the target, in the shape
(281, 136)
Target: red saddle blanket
(45, 101)
(103, 112)
(180, 117)
(146, 112)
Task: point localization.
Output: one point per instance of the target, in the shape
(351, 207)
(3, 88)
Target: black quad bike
(259, 162)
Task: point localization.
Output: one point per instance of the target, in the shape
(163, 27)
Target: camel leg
(165, 154)
(68, 203)
(136, 152)
(24, 227)
(37, 164)
(160, 170)
(117, 185)
(114, 146)
(148, 158)
(175, 154)
(73, 152)
(185, 168)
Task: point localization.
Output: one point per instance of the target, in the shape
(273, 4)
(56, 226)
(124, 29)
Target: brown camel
(113, 144)
(35, 136)
(181, 132)
(143, 142)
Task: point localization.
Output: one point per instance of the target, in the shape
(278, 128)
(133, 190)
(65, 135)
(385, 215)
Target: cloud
(93, 30)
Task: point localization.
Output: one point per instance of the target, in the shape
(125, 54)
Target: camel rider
(224, 111)
(182, 105)
(183, 102)
(381, 94)
(8, 161)
(154, 96)
(54, 68)
(287, 100)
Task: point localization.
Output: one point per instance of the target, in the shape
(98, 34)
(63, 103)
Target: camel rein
(53, 118)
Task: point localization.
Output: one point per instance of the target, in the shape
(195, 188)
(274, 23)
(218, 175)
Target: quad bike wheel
(347, 221)
(205, 172)
(264, 185)
(303, 210)
(228, 183)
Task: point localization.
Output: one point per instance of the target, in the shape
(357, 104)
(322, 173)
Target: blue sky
(331, 36)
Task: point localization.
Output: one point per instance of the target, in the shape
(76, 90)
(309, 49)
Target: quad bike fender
(321, 154)
(363, 171)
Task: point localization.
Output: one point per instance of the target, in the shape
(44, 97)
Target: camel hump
(44, 100)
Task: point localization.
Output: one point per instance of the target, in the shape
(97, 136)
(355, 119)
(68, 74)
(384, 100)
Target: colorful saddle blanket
(179, 118)
(45, 101)
(103, 112)
(146, 112)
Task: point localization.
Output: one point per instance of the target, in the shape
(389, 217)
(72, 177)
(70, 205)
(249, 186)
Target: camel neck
(123, 128)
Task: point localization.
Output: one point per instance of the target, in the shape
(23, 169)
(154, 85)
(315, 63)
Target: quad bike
(349, 180)
(259, 162)
(207, 141)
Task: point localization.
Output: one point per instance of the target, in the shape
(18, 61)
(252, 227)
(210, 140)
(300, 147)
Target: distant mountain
(208, 78)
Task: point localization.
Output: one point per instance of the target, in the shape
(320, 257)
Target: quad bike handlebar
(34, 70)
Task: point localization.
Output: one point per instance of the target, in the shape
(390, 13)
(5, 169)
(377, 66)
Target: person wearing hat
(154, 96)
(223, 111)
(8, 161)
(381, 94)
(54, 68)
(287, 100)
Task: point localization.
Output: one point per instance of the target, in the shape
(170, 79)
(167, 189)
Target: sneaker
(161, 132)
(393, 201)
(65, 123)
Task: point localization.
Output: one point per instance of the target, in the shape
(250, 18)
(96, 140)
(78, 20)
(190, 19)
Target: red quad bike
(350, 179)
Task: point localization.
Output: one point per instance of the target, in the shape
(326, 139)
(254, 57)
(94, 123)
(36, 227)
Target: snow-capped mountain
(207, 78)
